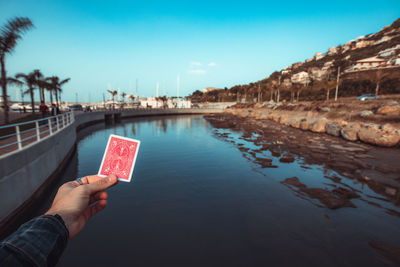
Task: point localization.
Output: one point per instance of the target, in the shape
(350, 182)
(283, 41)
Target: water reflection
(343, 163)
(196, 201)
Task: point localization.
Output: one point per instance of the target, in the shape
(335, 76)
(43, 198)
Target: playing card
(119, 157)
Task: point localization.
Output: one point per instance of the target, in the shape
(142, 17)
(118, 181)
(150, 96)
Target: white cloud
(197, 72)
(195, 63)
(212, 64)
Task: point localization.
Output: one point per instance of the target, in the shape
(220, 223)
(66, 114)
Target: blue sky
(111, 44)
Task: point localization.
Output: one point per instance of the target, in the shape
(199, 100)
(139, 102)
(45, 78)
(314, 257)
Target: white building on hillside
(286, 71)
(209, 89)
(318, 56)
(390, 51)
(333, 50)
(317, 73)
(327, 65)
(300, 77)
(369, 63)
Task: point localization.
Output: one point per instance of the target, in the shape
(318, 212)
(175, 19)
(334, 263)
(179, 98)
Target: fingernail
(112, 178)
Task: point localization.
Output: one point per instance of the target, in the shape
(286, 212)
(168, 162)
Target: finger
(98, 196)
(96, 208)
(101, 184)
(91, 179)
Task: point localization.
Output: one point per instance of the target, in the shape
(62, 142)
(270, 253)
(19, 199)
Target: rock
(389, 108)
(244, 149)
(263, 115)
(275, 153)
(319, 126)
(259, 114)
(350, 131)
(275, 117)
(380, 137)
(294, 122)
(284, 119)
(387, 127)
(325, 109)
(332, 200)
(391, 191)
(287, 158)
(333, 128)
(345, 193)
(265, 163)
(305, 124)
(366, 113)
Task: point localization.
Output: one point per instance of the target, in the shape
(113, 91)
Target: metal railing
(16, 136)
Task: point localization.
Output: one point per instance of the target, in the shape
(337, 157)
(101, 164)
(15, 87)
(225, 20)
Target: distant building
(317, 73)
(361, 44)
(318, 56)
(150, 102)
(383, 39)
(300, 77)
(346, 47)
(333, 51)
(178, 103)
(209, 89)
(286, 71)
(297, 65)
(327, 65)
(395, 50)
(368, 63)
(153, 102)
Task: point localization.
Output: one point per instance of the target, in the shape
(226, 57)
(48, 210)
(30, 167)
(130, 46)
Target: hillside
(367, 64)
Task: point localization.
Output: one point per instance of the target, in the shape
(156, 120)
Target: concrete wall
(24, 173)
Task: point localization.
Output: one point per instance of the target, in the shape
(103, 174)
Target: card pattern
(119, 158)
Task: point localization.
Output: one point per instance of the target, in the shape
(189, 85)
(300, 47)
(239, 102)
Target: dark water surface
(196, 201)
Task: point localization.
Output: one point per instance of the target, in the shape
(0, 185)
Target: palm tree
(40, 84)
(48, 87)
(14, 82)
(10, 33)
(113, 94)
(56, 86)
(123, 98)
(59, 89)
(30, 81)
(377, 77)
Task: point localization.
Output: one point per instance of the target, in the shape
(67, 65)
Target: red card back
(119, 157)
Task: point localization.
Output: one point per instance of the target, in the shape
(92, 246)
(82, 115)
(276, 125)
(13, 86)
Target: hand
(76, 203)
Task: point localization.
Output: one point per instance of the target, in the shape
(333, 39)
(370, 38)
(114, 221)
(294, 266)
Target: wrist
(60, 216)
(57, 217)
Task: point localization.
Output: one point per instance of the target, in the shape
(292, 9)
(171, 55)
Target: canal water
(195, 200)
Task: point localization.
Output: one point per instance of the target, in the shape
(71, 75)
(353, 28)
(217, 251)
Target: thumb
(102, 184)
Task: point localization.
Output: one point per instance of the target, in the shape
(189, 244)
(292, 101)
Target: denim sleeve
(39, 242)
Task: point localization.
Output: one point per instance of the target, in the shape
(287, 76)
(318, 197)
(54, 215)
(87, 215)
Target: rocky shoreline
(268, 143)
(374, 166)
(385, 135)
